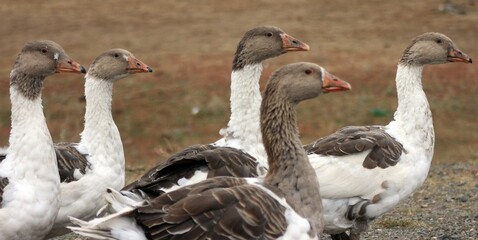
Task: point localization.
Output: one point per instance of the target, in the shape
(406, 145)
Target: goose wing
(217, 208)
(385, 151)
(209, 160)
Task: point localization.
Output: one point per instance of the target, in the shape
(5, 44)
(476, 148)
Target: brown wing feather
(217, 208)
(3, 184)
(385, 150)
(218, 161)
(69, 160)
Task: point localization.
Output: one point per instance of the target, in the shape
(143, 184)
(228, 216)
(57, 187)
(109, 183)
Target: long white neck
(29, 130)
(413, 116)
(31, 199)
(101, 136)
(244, 124)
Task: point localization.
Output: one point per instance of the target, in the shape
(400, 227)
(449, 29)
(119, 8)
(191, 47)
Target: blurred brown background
(190, 45)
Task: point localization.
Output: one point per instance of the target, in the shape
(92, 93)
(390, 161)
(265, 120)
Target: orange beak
(331, 83)
(136, 66)
(290, 44)
(69, 66)
(455, 55)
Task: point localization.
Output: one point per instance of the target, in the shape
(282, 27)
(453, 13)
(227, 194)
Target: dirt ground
(190, 45)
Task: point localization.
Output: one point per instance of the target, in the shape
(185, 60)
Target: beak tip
(470, 61)
(82, 69)
(150, 69)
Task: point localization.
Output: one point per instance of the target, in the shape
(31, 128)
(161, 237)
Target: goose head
(115, 64)
(261, 43)
(301, 81)
(433, 48)
(42, 58)
(37, 60)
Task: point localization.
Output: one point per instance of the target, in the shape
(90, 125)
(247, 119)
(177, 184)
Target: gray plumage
(217, 161)
(385, 151)
(233, 208)
(257, 45)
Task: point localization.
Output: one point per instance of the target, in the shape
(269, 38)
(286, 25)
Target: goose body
(29, 180)
(281, 205)
(366, 171)
(242, 135)
(97, 162)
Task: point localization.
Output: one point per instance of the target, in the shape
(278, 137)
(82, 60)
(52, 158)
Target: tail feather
(118, 225)
(119, 201)
(93, 233)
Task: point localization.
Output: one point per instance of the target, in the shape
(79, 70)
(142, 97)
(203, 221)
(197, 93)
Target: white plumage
(100, 141)
(29, 180)
(31, 198)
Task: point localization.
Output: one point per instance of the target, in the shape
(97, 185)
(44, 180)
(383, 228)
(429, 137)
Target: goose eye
(44, 50)
(438, 41)
(269, 34)
(116, 55)
(308, 71)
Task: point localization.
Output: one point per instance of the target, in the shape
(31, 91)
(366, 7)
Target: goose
(365, 171)
(371, 160)
(29, 180)
(242, 138)
(282, 205)
(87, 168)
(97, 162)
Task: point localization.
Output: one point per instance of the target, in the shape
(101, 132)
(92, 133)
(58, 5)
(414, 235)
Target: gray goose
(97, 162)
(29, 180)
(240, 152)
(282, 205)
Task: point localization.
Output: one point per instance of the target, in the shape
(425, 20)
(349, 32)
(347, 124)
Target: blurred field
(190, 45)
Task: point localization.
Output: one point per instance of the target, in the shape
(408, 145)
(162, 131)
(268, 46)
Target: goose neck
(98, 95)
(413, 115)
(100, 128)
(27, 109)
(245, 106)
(289, 169)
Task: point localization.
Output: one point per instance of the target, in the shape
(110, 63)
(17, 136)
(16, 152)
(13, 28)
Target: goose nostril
(138, 64)
(70, 62)
(295, 42)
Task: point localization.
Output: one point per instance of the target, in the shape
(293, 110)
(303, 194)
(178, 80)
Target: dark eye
(308, 71)
(269, 34)
(438, 41)
(44, 50)
(116, 55)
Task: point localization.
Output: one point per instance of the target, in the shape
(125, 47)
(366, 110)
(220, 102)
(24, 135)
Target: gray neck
(29, 86)
(289, 168)
(413, 115)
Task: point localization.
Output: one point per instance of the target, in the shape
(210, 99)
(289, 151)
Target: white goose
(242, 135)
(366, 171)
(97, 162)
(280, 206)
(29, 181)
(361, 169)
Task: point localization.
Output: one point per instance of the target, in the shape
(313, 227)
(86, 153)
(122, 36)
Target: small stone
(461, 184)
(463, 198)
(424, 205)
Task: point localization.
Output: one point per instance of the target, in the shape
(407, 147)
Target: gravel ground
(445, 208)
